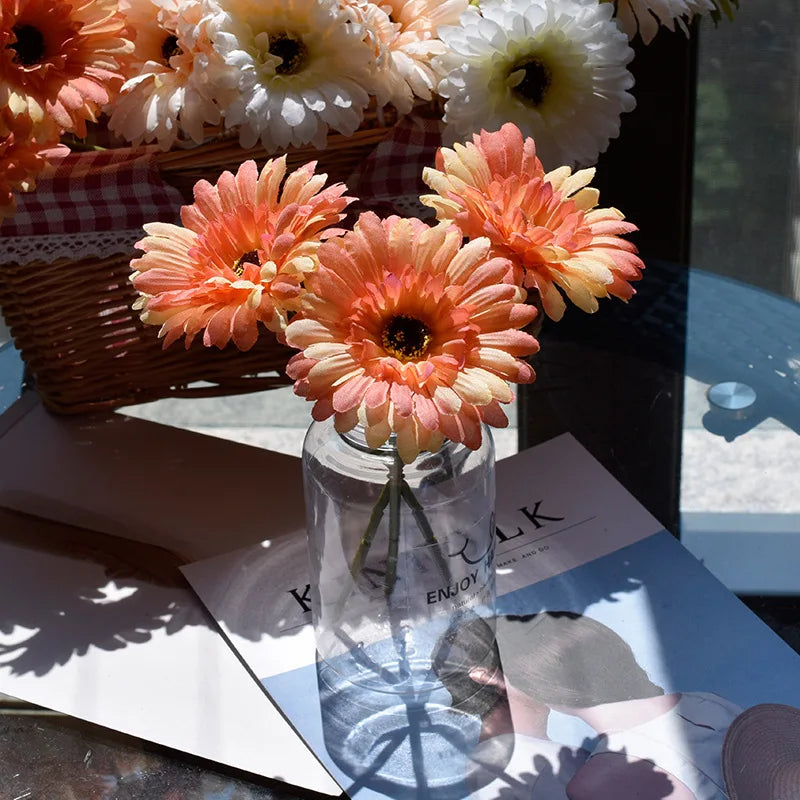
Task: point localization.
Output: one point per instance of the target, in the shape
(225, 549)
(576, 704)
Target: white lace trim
(97, 244)
(52, 247)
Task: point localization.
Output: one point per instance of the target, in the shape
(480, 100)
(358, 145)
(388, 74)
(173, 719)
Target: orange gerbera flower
(59, 60)
(240, 257)
(547, 224)
(406, 331)
(23, 155)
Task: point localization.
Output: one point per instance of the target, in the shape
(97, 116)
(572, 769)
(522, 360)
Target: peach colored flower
(406, 331)
(548, 224)
(59, 61)
(407, 31)
(241, 256)
(23, 155)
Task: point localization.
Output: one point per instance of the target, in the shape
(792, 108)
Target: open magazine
(620, 661)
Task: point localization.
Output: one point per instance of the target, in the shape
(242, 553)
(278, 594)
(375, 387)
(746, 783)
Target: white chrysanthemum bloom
(300, 68)
(645, 16)
(555, 68)
(163, 98)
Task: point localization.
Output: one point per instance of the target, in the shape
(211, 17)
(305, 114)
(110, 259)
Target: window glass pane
(740, 504)
(745, 201)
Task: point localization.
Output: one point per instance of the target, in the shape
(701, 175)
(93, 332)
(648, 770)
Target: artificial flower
(240, 257)
(164, 96)
(380, 32)
(59, 61)
(409, 34)
(406, 330)
(724, 7)
(645, 16)
(556, 68)
(547, 224)
(299, 67)
(23, 155)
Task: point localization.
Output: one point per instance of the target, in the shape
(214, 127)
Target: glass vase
(401, 557)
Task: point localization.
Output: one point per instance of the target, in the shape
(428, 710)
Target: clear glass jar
(401, 555)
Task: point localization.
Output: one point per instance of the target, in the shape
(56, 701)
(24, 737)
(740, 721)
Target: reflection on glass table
(68, 760)
(631, 383)
(11, 369)
(740, 508)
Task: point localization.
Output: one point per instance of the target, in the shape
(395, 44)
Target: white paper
(129, 654)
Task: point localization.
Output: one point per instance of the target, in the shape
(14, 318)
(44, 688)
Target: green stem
(369, 534)
(395, 487)
(425, 528)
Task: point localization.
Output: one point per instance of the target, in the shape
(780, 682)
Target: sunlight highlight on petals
(402, 352)
(546, 224)
(232, 267)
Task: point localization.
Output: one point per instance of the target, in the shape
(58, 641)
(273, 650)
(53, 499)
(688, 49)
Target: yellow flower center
(290, 50)
(406, 338)
(170, 48)
(530, 79)
(29, 47)
(251, 257)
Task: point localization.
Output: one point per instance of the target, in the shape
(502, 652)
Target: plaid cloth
(85, 193)
(391, 178)
(94, 204)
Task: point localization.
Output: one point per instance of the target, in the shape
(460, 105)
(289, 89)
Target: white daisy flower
(300, 67)
(555, 68)
(163, 98)
(645, 16)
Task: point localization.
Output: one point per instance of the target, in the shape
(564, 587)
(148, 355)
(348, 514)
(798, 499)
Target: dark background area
(614, 379)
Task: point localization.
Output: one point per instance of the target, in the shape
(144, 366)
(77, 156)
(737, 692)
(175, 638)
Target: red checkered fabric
(105, 190)
(394, 169)
(120, 189)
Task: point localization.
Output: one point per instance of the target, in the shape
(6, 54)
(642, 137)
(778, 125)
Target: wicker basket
(87, 350)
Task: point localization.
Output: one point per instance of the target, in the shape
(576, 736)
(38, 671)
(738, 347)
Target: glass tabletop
(635, 384)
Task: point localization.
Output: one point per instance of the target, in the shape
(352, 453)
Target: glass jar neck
(357, 439)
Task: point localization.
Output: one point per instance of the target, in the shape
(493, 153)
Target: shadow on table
(72, 589)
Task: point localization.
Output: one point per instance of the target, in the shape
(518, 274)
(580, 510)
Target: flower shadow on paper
(84, 590)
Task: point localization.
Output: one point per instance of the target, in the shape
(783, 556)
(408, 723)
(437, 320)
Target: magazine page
(619, 660)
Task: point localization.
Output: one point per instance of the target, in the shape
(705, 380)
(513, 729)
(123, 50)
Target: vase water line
(400, 555)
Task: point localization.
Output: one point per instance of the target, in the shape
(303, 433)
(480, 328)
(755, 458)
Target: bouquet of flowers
(412, 330)
(408, 337)
(288, 73)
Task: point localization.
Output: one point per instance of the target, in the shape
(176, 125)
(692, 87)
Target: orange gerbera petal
(59, 60)
(23, 155)
(394, 334)
(240, 258)
(547, 224)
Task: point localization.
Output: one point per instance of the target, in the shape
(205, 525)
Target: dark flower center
(291, 51)
(170, 48)
(533, 87)
(406, 338)
(29, 48)
(251, 257)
